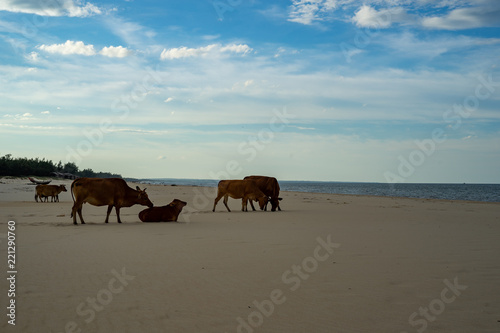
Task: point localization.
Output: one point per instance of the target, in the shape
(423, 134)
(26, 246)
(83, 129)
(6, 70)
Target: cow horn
(137, 188)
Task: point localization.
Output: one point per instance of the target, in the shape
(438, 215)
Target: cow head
(142, 198)
(275, 202)
(262, 201)
(178, 204)
(63, 188)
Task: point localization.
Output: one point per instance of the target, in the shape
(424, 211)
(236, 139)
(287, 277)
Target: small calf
(45, 191)
(168, 213)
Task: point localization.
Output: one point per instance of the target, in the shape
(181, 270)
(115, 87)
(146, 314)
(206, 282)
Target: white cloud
(168, 100)
(80, 48)
(70, 47)
(240, 48)
(305, 12)
(51, 8)
(308, 11)
(184, 52)
(45, 112)
(457, 14)
(369, 17)
(33, 56)
(466, 18)
(214, 49)
(115, 52)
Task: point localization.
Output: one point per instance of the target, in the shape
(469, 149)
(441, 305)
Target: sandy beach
(326, 263)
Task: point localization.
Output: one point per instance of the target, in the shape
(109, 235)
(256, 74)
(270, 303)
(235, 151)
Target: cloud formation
(51, 8)
(70, 47)
(212, 49)
(457, 15)
(308, 11)
(369, 17)
(466, 18)
(80, 48)
(115, 52)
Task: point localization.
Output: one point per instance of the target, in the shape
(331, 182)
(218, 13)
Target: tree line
(22, 166)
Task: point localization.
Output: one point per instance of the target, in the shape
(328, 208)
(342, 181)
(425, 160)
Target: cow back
(100, 191)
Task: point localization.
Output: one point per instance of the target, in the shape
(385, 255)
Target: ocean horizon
(445, 191)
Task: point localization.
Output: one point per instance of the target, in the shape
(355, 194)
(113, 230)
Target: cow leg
(80, 214)
(225, 202)
(251, 204)
(216, 201)
(118, 213)
(244, 205)
(110, 207)
(77, 209)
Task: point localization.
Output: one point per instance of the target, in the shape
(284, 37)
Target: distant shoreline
(465, 192)
(488, 193)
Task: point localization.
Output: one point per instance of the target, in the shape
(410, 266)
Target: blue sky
(334, 90)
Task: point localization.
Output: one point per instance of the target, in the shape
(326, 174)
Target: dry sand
(326, 263)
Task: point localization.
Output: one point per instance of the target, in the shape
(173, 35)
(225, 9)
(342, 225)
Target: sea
(468, 192)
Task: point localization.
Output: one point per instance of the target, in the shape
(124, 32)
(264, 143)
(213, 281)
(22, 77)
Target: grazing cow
(105, 192)
(46, 191)
(270, 187)
(240, 189)
(166, 213)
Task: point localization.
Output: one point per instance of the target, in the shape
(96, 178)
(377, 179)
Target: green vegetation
(22, 167)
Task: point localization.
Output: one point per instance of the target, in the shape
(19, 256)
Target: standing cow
(168, 213)
(270, 187)
(111, 192)
(46, 191)
(240, 189)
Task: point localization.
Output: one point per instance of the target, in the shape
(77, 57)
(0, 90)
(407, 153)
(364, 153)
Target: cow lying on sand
(105, 192)
(270, 187)
(168, 213)
(240, 189)
(46, 191)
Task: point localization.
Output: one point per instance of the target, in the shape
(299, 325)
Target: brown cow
(44, 191)
(166, 213)
(105, 191)
(240, 189)
(270, 187)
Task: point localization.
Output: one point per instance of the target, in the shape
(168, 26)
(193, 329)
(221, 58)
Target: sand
(326, 263)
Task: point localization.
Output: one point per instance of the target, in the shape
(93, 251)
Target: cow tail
(73, 184)
(72, 197)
